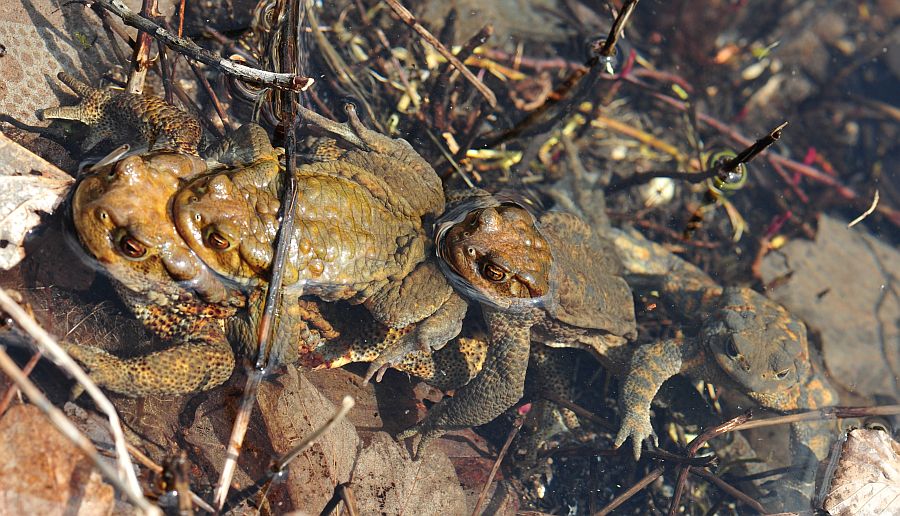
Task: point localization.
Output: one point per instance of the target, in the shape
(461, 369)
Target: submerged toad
(127, 118)
(550, 280)
(741, 340)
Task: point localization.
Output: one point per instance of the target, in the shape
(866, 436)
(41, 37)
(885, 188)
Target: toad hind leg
(497, 387)
(120, 115)
(190, 366)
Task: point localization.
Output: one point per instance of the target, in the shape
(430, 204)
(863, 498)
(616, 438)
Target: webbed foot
(426, 432)
(636, 426)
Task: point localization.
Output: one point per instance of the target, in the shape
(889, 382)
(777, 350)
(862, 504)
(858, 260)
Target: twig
(631, 491)
(346, 494)
(278, 465)
(266, 330)
(285, 81)
(805, 170)
(48, 346)
(236, 439)
(580, 411)
(730, 489)
(347, 403)
(11, 392)
(410, 20)
(438, 104)
(517, 425)
(692, 449)
(207, 87)
(866, 213)
(720, 171)
(148, 463)
(342, 493)
(140, 59)
(59, 421)
(577, 86)
(823, 413)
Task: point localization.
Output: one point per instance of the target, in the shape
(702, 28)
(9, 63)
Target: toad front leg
(425, 305)
(497, 387)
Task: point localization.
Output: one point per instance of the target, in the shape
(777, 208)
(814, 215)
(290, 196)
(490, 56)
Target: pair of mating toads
(189, 242)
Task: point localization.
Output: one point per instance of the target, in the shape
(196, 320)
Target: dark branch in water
(186, 47)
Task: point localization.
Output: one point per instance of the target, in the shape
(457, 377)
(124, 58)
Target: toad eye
(731, 349)
(131, 248)
(493, 272)
(781, 375)
(217, 241)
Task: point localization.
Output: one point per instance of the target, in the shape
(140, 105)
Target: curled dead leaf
(29, 185)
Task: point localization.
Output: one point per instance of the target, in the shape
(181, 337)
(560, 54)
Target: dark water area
(582, 240)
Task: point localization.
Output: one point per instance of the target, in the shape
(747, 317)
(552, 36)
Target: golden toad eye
(131, 248)
(218, 242)
(493, 272)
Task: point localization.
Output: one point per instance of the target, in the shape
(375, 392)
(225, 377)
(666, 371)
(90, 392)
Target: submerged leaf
(867, 477)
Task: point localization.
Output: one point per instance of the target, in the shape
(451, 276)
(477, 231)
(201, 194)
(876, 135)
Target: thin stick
(824, 413)
(622, 498)
(238, 431)
(410, 20)
(579, 410)
(517, 425)
(349, 499)
(59, 421)
(148, 463)
(140, 59)
(11, 392)
(347, 403)
(694, 446)
(866, 213)
(285, 81)
(266, 330)
(48, 346)
(730, 489)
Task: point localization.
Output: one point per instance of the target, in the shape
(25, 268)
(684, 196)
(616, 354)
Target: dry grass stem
(59, 421)
(51, 349)
(191, 50)
(408, 18)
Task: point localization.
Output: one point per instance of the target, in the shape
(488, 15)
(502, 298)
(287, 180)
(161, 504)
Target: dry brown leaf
(867, 477)
(28, 185)
(43, 473)
(387, 481)
(293, 408)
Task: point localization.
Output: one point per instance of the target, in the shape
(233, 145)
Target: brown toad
(739, 339)
(499, 255)
(551, 280)
(122, 215)
(359, 233)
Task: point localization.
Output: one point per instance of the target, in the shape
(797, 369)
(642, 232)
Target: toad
(550, 279)
(359, 233)
(127, 118)
(737, 339)
(122, 215)
(124, 219)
